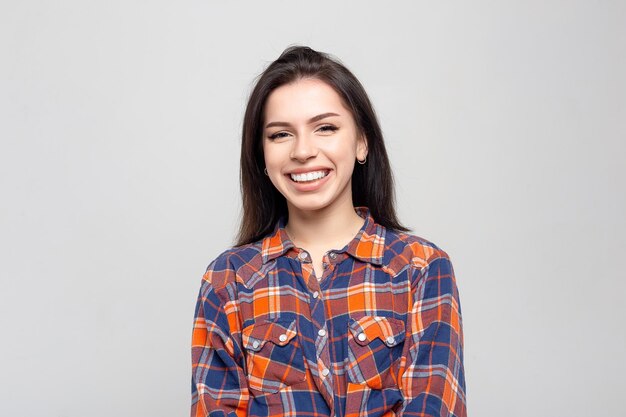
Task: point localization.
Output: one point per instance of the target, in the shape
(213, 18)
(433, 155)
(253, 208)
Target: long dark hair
(372, 183)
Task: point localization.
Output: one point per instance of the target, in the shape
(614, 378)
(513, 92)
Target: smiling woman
(326, 306)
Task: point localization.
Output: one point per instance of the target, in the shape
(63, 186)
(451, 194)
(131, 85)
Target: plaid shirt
(379, 334)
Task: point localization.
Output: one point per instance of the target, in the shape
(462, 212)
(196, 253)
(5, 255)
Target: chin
(303, 205)
(310, 207)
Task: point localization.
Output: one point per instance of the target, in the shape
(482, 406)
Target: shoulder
(223, 270)
(405, 250)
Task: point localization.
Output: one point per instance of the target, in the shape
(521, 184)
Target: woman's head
(298, 74)
(310, 144)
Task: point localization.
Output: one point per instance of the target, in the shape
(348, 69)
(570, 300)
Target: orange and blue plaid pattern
(378, 334)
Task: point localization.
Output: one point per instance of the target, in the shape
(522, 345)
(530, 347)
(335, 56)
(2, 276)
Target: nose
(303, 148)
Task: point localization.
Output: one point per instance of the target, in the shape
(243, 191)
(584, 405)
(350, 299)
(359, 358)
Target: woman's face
(311, 143)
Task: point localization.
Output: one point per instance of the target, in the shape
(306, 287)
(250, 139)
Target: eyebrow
(311, 120)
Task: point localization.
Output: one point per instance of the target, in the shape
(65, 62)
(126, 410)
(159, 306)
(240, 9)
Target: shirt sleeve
(218, 383)
(433, 382)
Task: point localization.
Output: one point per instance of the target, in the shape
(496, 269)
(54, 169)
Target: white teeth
(308, 176)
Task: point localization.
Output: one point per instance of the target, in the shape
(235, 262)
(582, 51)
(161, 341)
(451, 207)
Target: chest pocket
(374, 349)
(273, 355)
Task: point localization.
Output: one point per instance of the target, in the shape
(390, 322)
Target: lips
(308, 169)
(317, 179)
(309, 176)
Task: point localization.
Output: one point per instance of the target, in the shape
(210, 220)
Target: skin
(323, 218)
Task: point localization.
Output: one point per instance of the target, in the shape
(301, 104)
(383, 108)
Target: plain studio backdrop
(120, 128)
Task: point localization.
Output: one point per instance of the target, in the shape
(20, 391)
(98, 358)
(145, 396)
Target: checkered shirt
(378, 334)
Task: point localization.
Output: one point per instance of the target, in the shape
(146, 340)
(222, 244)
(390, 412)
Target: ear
(361, 147)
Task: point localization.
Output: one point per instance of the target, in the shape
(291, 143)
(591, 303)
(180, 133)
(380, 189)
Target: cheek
(341, 151)
(270, 155)
(274, 165)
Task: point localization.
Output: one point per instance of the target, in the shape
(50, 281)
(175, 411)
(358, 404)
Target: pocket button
(282, 337)
(362, 337)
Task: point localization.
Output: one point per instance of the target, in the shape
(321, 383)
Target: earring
(362, 162)
(265, 170)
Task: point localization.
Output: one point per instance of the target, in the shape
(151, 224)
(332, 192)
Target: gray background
(120, 122)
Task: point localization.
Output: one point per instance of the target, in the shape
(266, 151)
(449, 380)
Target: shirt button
(332, 255)
(302, 255)
(361, 337)
(391, 341)
(316, 294)
(321, 332)
(282, 337)
(325, 265)
(325, 372)
(255, 344)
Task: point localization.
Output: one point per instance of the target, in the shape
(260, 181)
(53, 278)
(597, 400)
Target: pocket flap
(388, 329)
(278, 332)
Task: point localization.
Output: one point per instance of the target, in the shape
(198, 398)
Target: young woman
(326, 306)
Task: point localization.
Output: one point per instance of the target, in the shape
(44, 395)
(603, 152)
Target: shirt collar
(367, 246)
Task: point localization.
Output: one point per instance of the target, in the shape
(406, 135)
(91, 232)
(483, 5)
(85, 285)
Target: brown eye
(328, 128)
(277, 135)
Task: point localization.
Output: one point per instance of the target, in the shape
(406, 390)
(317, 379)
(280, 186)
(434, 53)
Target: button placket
(322, 353)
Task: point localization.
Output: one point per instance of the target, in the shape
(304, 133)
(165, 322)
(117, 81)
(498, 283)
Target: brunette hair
(372, 183)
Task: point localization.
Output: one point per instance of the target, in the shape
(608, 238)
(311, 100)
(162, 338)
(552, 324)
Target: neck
(331, 226)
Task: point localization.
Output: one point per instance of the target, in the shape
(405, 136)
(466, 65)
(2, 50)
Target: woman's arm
(218, 383)
(433, 381)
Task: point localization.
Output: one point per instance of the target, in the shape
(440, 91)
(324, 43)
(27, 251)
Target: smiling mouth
(309, 176)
